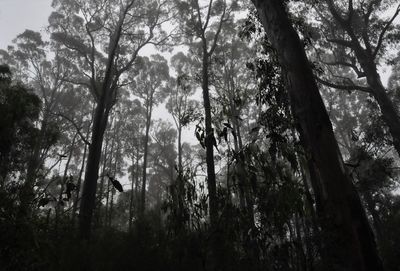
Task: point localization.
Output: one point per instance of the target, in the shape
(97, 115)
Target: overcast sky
(18, 15)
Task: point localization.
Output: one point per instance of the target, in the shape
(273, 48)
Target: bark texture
(348, 238)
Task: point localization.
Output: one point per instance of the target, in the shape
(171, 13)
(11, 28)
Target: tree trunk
(64, 180)
(145, 154)
(217, 250)
(98, 210)
(180, 189)
(131, 197)
(115, 175)
(180, 166)
(366, 60)
(388, 110)
(88, 201)
(349, 240)
(78, 186)
(211, 182)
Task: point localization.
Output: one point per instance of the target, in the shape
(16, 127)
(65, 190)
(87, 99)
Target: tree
(184, 110)
(355, 37)
(349, 240)
(20, 108)
(205, 23)
(163, 155)
(32, 65)
(133, 131)
(103, 39)
(150, 87)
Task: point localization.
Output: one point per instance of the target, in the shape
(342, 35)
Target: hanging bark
(349, 240)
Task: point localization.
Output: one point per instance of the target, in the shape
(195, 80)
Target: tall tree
(205, 21)
(184, 110)
(29, 59)
(354, 36)
(20, 108)
(349, 240)
(150, 86)
(102, 39)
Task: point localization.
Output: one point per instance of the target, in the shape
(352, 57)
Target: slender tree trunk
(64, 180)
(137, 180)
(180, 180)
(115, 175)
(180, 166)
(348, 237)
(131, 196)
(145, 154)
(98, 210)
(217, 251)
(211, 181)
(78, 186)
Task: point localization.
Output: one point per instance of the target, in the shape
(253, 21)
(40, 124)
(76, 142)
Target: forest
(202, 135)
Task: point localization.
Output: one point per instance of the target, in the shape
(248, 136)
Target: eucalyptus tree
(102, 39)
(180, 104)
(184, 110)
(133, 133)
(162, 153)
(150, 86)
(235, 92)
(203, 23)
(356, 36)
(29, 57)
(349, 240)
(233, 80)
(20, 108)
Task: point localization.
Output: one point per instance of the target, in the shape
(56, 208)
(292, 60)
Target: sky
(18, 15)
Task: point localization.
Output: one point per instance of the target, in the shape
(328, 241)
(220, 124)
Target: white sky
(18, 15)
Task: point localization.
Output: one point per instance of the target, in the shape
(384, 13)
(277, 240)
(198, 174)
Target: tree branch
(345, 43)
(343, 87)
(384, 30)
(359, 73)
(78, 129)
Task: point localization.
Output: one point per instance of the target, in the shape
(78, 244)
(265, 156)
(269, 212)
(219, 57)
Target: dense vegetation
(202, 135)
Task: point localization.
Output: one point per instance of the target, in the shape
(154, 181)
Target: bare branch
(345, 43)
(78, 129)
(359, 73)
(223, 19)
(208, 15)
(343, 87)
